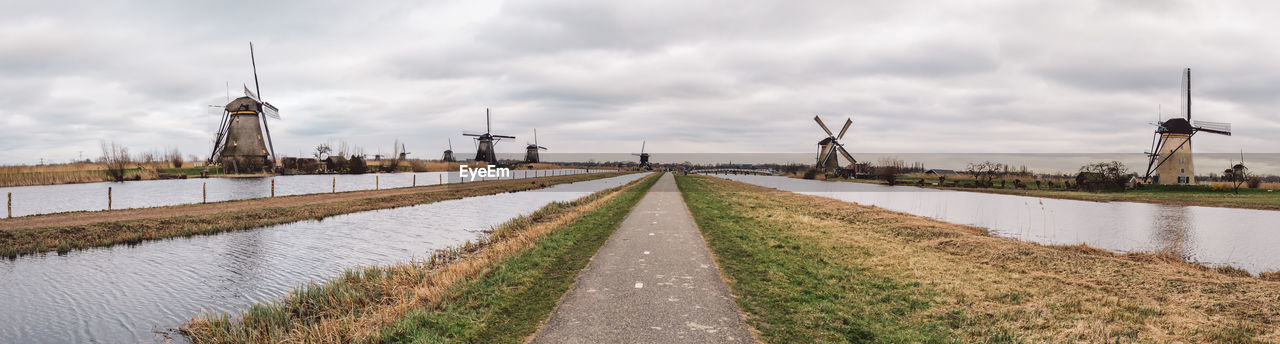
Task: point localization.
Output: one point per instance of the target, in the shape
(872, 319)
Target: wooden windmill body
(243, 141)
(485, 142)
(531, 150)
(644, 157)
(448, 153)
(1170, 158)
(829, 146)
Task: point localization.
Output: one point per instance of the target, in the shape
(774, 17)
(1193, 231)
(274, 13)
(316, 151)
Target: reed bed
(23, 241)
(27, 175)
(814, 268)
(359, 304)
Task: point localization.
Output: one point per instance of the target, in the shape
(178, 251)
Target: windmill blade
(642, 147)
(1214, 127)
(847, 123)
(503, 136)
(823, 125)
(450, 144)
(636, 154)
(846, 155)
(270, 110)
(470, 134)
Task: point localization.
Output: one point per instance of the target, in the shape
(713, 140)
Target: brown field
(918, 279)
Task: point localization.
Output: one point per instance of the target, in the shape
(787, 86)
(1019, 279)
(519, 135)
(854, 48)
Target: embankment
(1203, 195)
(816, 268)
(78, 230)
(494, 290)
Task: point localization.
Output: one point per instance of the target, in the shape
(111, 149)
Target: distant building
(940, 172)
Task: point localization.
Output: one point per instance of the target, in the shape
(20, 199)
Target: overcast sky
(601, 76)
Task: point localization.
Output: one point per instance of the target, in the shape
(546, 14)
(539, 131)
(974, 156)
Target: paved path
(653, 282)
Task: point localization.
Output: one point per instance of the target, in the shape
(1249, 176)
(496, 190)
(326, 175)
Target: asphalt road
(653, 281)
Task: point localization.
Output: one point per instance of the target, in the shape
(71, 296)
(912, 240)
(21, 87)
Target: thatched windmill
(827, 148)
(1170, 155)
(531, 149)
(485, 142)
(644, 157)
(240, 143)
(448, 153)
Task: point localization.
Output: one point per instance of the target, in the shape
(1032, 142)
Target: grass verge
(497, 289)
(824, 270)
(24, 241)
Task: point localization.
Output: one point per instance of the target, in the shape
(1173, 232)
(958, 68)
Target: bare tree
(116, 158)
(175, 157)
(396, 157)
(322, 151)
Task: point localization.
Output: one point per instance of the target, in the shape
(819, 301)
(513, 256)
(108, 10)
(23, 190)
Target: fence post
(10, 205)
(273, 187)
(204, 192)
(415, 180)
(441, 178)
(335, 185)
(108, 198)
(375, 182)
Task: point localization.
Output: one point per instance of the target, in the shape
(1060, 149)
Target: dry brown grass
(24, 175)
(424, 283)
(1004, 288)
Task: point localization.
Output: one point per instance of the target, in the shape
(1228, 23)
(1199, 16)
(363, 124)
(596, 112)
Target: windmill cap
(1175, 126)
(242, 104)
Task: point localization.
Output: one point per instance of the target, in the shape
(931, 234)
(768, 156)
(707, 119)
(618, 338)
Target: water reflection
(1243, 238)
(123, 293)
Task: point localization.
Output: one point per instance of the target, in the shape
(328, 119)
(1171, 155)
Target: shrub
(117, 160)
(356, 165)
(811, 173)
(1255, 182)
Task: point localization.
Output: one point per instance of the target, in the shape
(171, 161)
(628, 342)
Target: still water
(45, 199)
(135, 293)
(1244, 238)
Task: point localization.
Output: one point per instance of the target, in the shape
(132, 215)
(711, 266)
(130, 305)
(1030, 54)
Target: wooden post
(415, 180)
(108, 198)
(335, 185)
(273, 187)
(11, 205)
(204, 192)
(441, 178)
(375, 182)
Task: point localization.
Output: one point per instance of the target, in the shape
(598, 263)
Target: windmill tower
(485, 142)
(448, 153)
(828, 146)
(644, 157)
(531, 149)
(243, 141)
(1170, 155)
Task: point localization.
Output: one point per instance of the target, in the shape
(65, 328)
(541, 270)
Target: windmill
(644, 157)
(240, 143)
(827, 148)
(1170, 155)
(484, 142)
(531, 149)
(448, 153)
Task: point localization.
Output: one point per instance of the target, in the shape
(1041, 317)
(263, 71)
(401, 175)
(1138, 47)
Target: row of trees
(118, 161)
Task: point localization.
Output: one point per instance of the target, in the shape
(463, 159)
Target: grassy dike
(495, 290)
(1185, 195)
(24, 241)
(812, 269)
